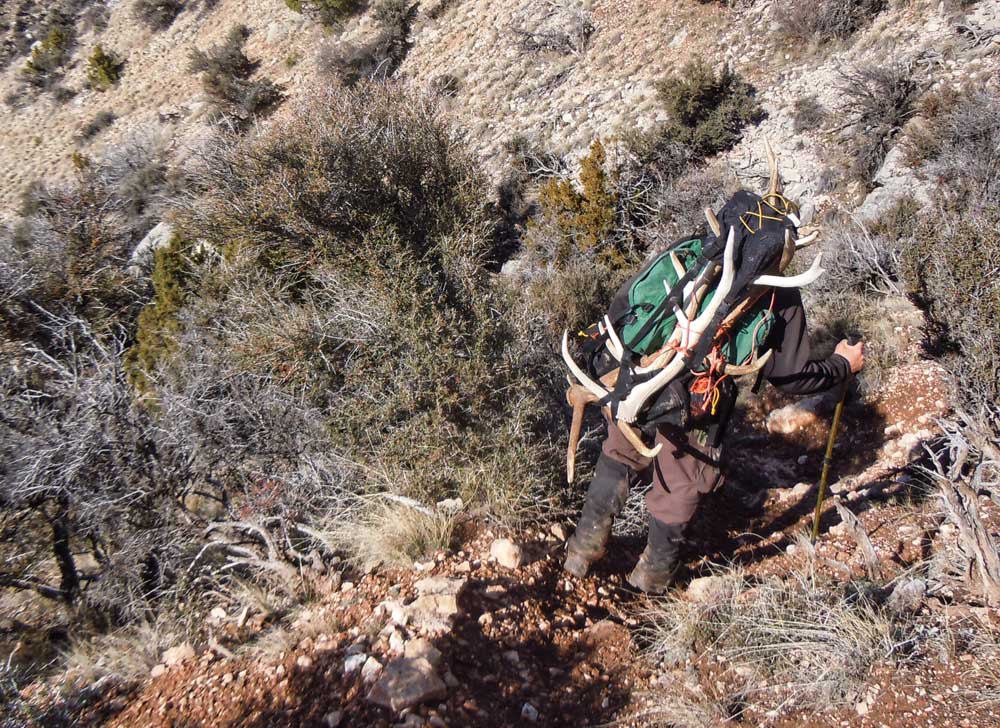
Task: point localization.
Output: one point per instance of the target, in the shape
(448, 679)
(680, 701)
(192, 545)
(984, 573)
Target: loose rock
(705, 588)
(407, 682)
(178, 654)
(529, 712)
(507, 553)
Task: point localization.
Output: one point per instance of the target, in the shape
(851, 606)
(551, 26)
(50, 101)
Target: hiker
(683, 463)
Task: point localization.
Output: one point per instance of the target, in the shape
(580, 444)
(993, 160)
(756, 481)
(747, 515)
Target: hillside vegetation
(281, 292)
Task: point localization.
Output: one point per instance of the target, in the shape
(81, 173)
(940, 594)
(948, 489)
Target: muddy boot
(605, 497)
(660, 560)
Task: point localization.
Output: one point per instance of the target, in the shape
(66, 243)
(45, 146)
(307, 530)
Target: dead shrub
(157, 14)
(877, 101)
(958, 147)
(561, 27)
(101, 121)
(826, 20)
(376, 57)
(808, 114)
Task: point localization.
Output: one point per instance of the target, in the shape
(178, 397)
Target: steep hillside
(282, 410)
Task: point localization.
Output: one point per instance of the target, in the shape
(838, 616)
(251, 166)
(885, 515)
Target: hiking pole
(852, 339)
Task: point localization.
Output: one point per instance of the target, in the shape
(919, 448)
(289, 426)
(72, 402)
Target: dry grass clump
(784, 643)
(125, 655)
(392, 532)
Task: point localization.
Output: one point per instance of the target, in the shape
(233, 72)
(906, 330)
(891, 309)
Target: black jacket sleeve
(791, 369)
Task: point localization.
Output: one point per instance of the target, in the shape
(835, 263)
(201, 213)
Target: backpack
(640, 370)
(643, 319)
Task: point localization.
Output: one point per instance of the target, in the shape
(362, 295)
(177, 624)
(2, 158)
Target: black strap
(710, 250)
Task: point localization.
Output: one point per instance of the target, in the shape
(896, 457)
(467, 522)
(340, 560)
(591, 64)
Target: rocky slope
(495, 634)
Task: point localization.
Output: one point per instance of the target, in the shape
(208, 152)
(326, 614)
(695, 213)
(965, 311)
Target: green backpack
(647, 292)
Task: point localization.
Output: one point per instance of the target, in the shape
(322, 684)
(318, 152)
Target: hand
(855, 355)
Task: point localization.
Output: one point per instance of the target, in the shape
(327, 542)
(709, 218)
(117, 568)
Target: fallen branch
(859, 534)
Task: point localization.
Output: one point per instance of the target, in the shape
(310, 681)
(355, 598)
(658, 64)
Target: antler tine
(803, 279)
(632, 435)
(613, 343)
(788, 253)
(593, 387)
(713, 221)
(774, 187)
(678, 266)
(578, 398)
(806, 241)
(741, 370)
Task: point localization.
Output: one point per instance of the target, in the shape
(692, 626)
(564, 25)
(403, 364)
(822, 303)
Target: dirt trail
(530, 644)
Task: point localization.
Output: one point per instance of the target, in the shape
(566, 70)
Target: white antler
(593, 387)
(629, 409)
(613, 343)
(803, 279)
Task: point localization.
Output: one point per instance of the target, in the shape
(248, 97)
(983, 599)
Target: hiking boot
(605, 497)
(650, 577)
(660, 560)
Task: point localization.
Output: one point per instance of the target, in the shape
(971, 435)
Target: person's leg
(661, 558)
(605, 498)
(685, 470)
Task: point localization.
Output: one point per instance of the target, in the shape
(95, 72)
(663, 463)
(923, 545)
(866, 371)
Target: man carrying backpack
(686, 465)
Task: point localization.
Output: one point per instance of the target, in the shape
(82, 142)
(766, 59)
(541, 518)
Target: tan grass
(806, 644)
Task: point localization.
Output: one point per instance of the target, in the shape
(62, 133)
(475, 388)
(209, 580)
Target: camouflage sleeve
(791, 369)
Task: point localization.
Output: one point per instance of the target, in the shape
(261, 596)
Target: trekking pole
(852, 339)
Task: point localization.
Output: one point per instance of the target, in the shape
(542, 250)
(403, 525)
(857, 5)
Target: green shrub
(950, 268)
(226, 72)
(157, 14)
(48, 56)
(103, 69)
(327, 12)
(158, 325)
(357, 277)
(708, 113)
(584, 220)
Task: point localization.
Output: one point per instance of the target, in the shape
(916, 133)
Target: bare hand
(855, 355)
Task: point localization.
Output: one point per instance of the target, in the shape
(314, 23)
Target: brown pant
(683, 471)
